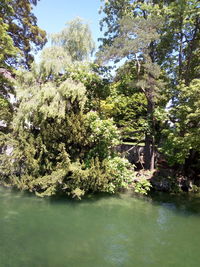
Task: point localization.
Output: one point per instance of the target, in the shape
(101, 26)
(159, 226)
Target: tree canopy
(20, 38)
(21, 27)
(72, 115)
(59, 145)
(162, 39)
(76, 38)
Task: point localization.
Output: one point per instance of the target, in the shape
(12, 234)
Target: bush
(142, 186)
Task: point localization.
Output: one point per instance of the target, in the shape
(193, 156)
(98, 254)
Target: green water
(100, 232)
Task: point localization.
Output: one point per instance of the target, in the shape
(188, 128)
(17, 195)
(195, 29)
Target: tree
(19, 33)
(181, 145)
(6, 108)
(126, 104)
(58, 145)
(23, 29)
(69, 57)
(76, 38)
(175, 51)
(7, 49)
(178, 52)
(133, 34)
(94, 79)
(178, 48)
(178, 44)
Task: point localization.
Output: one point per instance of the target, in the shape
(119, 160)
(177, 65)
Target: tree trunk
(149, 153)
(190, 53)
(149, 150)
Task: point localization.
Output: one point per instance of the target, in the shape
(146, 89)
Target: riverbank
(168, 180)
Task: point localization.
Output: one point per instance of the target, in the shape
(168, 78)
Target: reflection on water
(102, 231)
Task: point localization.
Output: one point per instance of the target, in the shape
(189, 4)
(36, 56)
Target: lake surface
(99, 232)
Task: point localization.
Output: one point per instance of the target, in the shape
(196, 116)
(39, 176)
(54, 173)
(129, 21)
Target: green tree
(175, 50)
(57, 147)
(178, 52)
(181, 144)
(7, 49)
(19, 33)
(23, 29)
(126, 104)
(95, 81)
(76, 38)
(69, 56)
(57, 144)
(178, 49)
(133, 34)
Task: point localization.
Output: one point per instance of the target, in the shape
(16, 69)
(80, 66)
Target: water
(103, 231)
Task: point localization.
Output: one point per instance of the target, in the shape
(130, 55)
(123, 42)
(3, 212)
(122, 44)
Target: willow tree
(57, 145)
(76, 38)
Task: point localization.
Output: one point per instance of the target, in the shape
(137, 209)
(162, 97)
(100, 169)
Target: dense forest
(70, 121)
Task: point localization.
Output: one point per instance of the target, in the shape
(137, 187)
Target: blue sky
(53, 14)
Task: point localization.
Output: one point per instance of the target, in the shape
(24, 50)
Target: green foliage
(179, 42)
(54, 60)
(75, 180)
(23, 30)
(97, 87)
(104, 135)
(5, 110)
(162, 40)
(132, 33)
(126, 104)
(56, 146)
(19, 34)
(121, 173)
(182, 136)
(142, 186)
(76, 38)
(178, 47)
(7, 48)
(69, 114)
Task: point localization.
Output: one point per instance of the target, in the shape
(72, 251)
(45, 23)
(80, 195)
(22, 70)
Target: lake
(101, 231)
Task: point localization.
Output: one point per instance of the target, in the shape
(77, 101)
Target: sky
(52, 15)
